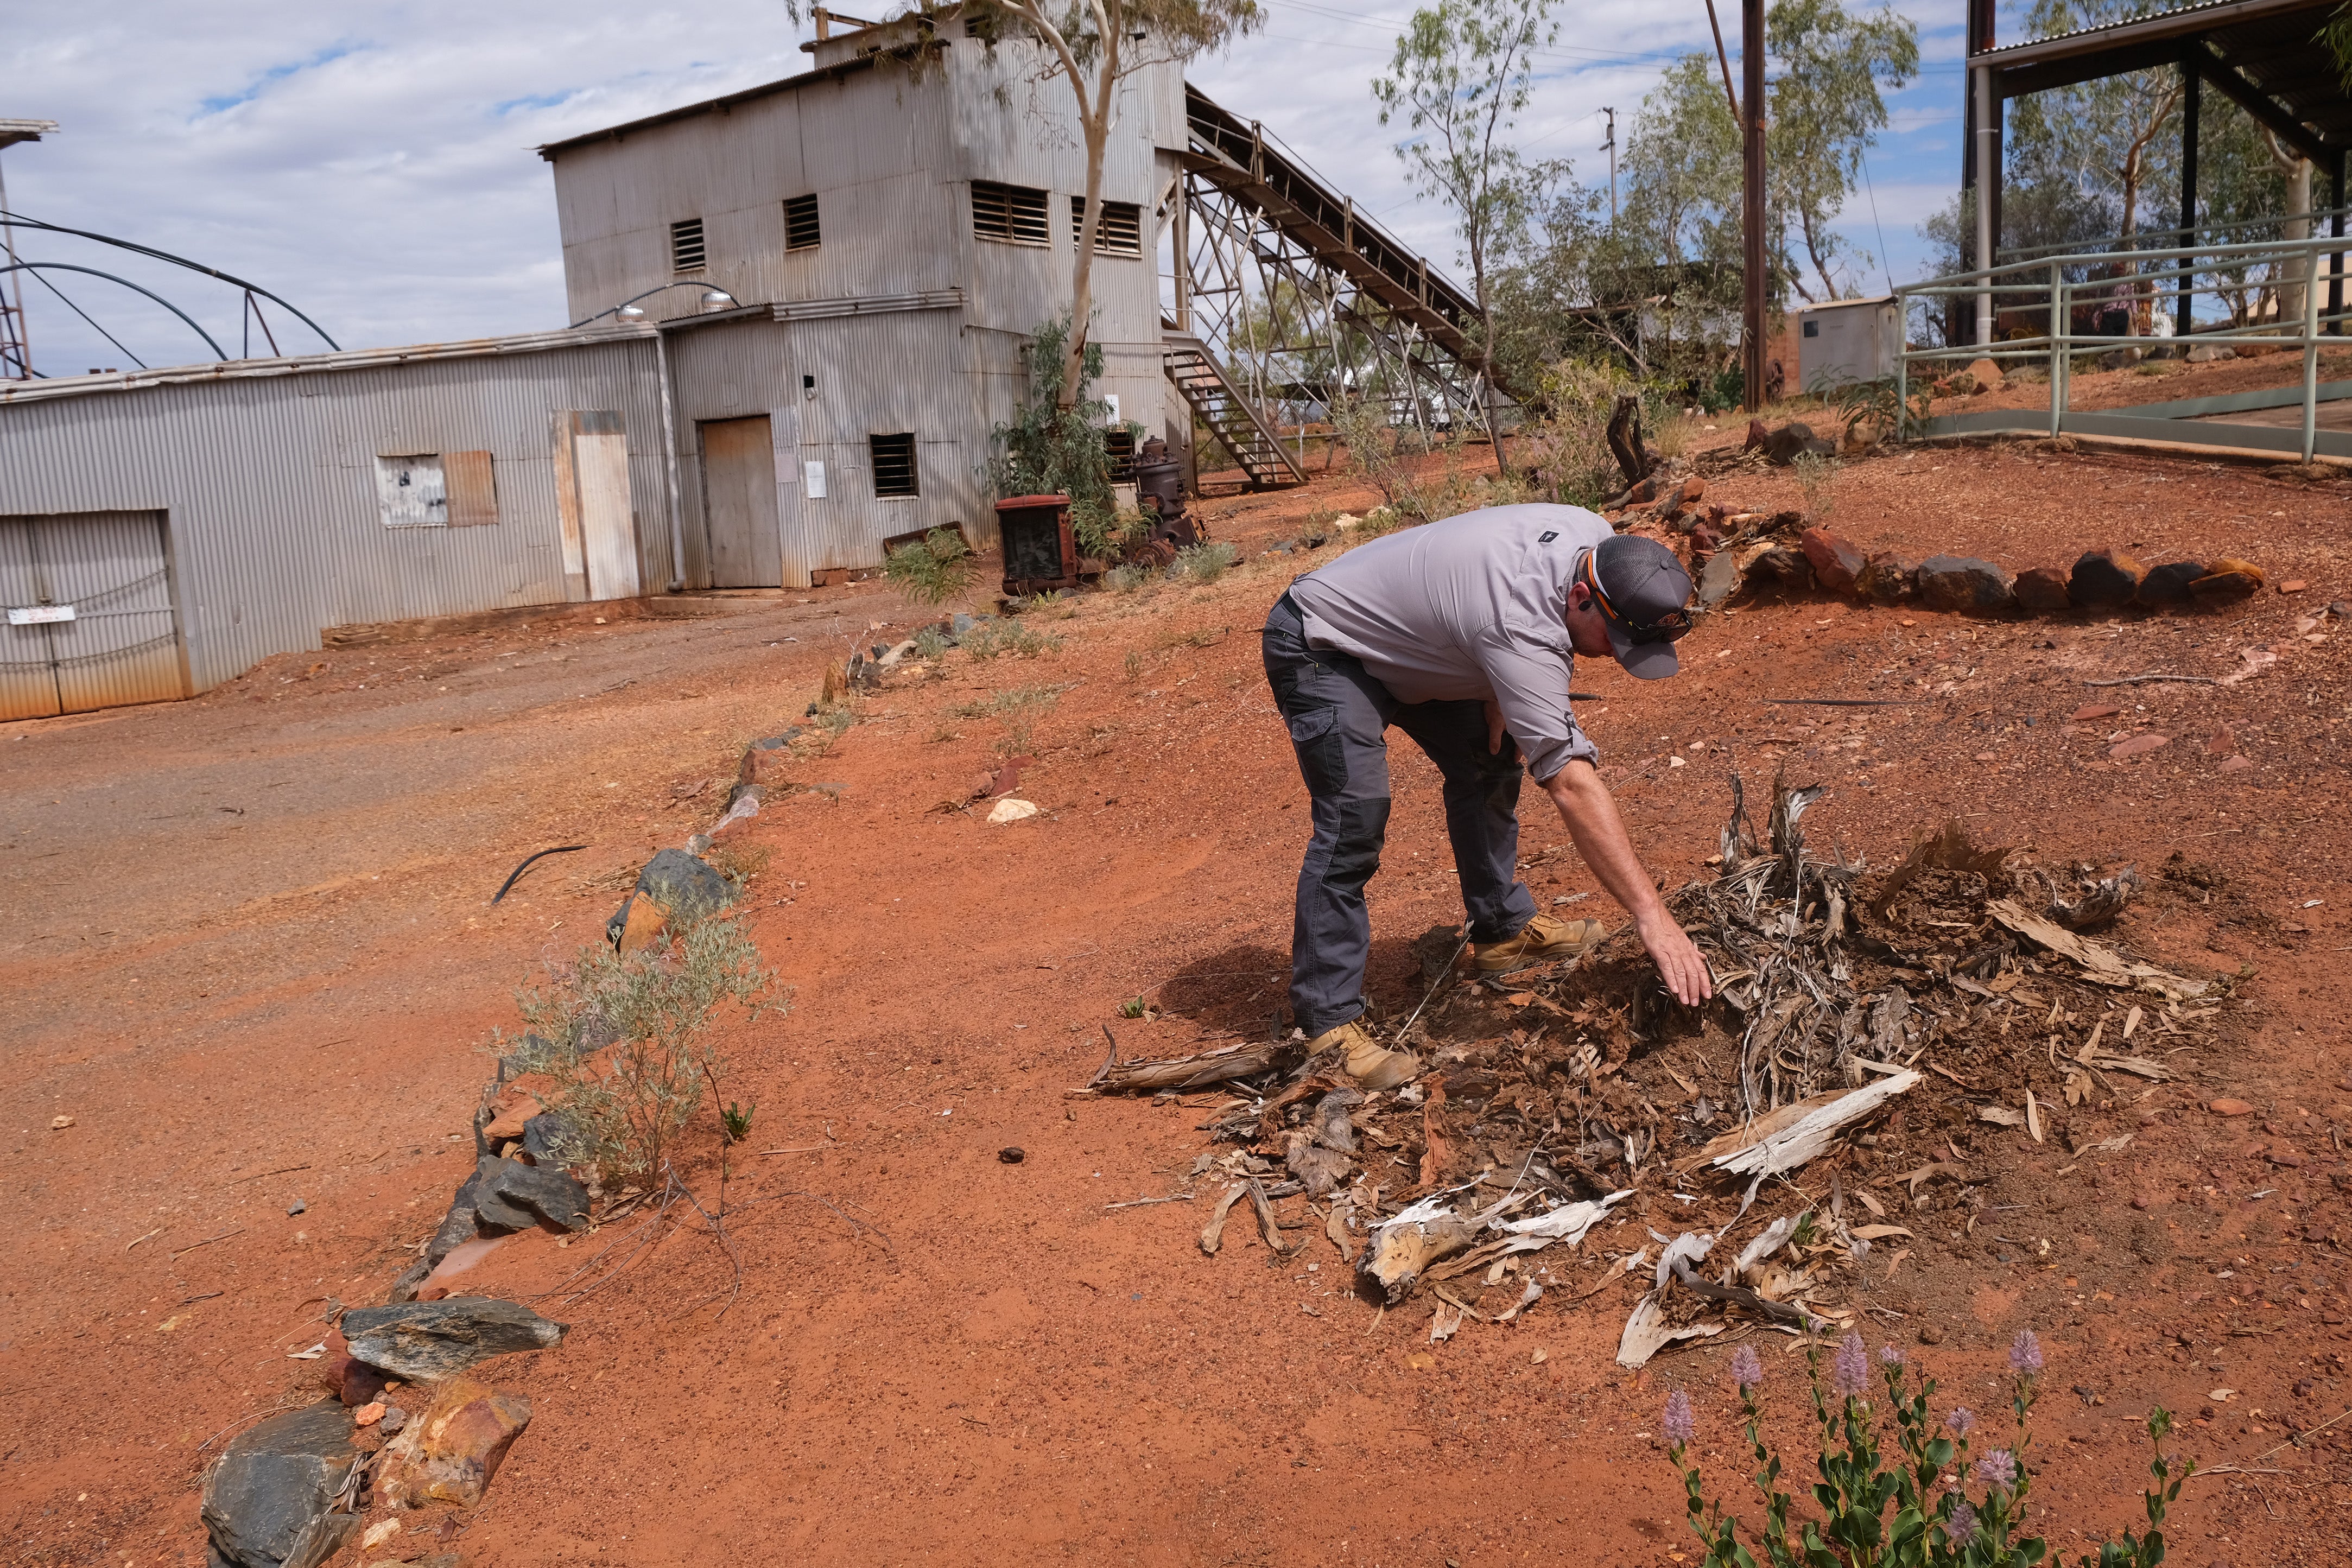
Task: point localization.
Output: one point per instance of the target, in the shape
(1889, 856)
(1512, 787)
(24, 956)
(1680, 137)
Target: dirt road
(250, 956)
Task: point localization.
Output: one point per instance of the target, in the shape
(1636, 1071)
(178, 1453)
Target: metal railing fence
(2170, 273)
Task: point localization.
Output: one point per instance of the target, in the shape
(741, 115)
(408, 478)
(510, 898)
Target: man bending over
(1464, 634)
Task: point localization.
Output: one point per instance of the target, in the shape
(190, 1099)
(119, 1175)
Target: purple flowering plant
(1907, 1508)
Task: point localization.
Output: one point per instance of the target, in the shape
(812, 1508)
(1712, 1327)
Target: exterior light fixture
(631, 313)
(717, 299)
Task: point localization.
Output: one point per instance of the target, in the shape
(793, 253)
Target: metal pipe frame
(218, 352)
(2060, 343)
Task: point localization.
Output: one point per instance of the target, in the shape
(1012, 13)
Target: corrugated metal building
(896, 221)
(162, 531)
(893, 224)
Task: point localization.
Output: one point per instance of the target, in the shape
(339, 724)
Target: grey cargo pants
(1339, 715)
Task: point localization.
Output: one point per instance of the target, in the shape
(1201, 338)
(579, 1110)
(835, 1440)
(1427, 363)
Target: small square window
(801, 232)
(894, 465)
(1015, 213)
(412, 491)
(686, 252)
(1813, 328)
(1120, 233)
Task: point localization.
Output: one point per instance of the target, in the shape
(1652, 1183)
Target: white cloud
(373, 163)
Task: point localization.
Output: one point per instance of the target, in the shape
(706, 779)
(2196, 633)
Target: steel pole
(1988, 115)
(2310, 356)
(2057, 307)
(1751, 125)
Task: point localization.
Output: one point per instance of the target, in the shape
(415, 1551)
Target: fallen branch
(1748, 1300)
(2153, 680)
(1140, 1202)
(207, 1241)
(1847, 702)
(1239, 1061)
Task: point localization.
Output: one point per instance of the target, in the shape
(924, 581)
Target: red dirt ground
(250, 955)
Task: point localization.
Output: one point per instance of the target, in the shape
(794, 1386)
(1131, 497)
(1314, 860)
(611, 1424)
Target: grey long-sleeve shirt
(1469, 608)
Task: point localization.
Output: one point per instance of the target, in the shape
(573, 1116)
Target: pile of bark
(1882, 1044)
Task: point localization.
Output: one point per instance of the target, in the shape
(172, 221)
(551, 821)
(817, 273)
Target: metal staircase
(1361, 317)
(1219, 404)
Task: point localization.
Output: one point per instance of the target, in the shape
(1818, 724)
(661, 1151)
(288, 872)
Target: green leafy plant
(835, 720)
(1205, 563)
(1126, 579)
(622, 1037)
(992, 639)
(932, 569)
(1911, 1509)
(1049, 450)
(932, 644)
(1813, 473)
(1874, 403)
(736, 1121)
(1133, 1007)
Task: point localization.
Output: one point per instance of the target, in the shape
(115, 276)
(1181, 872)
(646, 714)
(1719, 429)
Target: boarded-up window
(1014, 214)
(686, 252)
(472, 489)
(1120, 232)
(411, 489)
(894, 465)
(801, 231)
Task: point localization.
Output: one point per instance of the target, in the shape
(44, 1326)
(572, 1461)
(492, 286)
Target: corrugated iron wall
(267, 483)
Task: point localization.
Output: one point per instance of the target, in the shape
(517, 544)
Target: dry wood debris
(1915, 1031)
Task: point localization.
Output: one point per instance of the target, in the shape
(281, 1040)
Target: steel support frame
(1238, 262)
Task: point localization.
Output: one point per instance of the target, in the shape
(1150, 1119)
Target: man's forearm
(1590, 812)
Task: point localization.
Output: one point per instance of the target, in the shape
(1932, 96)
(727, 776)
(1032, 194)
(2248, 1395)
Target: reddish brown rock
(2233, 764)
(2090, 711)
(1887, 578)
(764, 765)
(2044, 591)
(2166, 586)
(2228, 579)
(2226, 1106)
(2138, 746)
(2105, 579)
(1837, 565)
(1967, 584)
(450, 1453)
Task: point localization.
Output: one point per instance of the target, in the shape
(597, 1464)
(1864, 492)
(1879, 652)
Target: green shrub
(621, 1036)
(1126, 579)
(1917, 1512)
(1048, 450)
(932, 644)
(932, 570)
(1205, 563)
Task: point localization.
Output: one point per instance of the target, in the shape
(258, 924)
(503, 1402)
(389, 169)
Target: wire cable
(86, 316)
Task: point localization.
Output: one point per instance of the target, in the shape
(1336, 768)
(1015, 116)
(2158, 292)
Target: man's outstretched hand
(1678, 960)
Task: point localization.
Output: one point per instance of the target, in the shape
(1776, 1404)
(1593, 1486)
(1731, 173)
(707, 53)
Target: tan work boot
(1367, 1061)
(1540, 941)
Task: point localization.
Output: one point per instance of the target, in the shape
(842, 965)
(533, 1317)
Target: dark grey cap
(1641, 593)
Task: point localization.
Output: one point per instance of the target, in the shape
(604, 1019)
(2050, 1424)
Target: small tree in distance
(1459, 79)
(1093, 45)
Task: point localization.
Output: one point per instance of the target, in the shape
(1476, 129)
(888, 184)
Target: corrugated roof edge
(834, 72)
(349, 359)
(2121, 23)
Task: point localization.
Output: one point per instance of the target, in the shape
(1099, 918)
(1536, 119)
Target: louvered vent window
(1012, 212)
(686, 252)
(894, 465)
(800, 224)
(1120, 232)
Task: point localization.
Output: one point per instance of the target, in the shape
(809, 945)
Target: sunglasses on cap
(1666, 628)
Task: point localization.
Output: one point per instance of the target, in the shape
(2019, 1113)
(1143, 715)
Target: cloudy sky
(373, 162)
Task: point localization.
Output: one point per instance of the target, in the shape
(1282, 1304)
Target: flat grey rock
(513, 1196)
(423, 1341)
(266, 1503)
